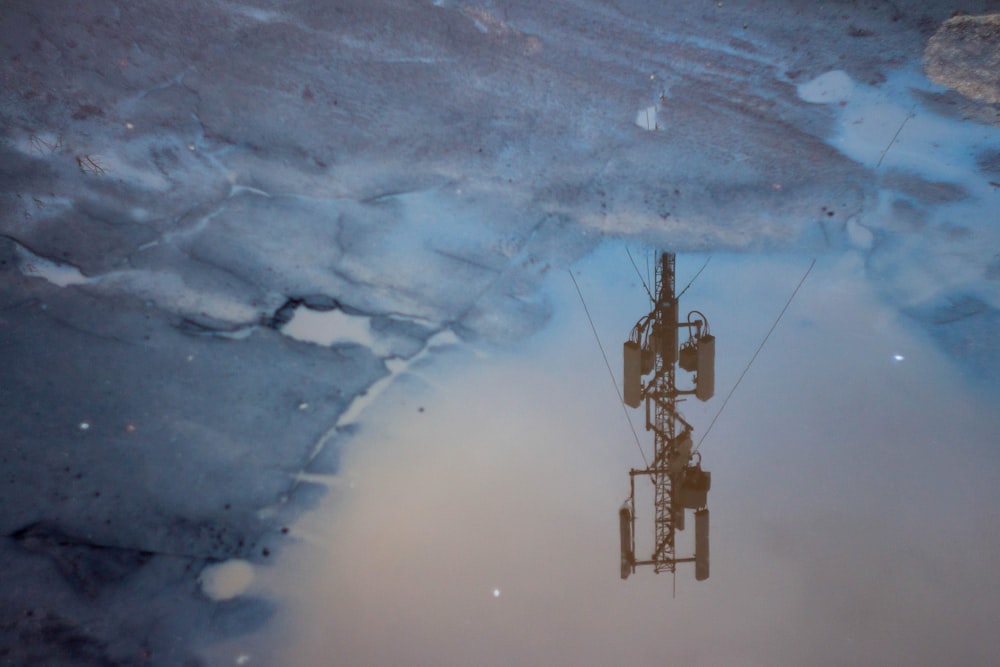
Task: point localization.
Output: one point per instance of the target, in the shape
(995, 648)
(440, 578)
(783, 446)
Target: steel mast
(678, 480)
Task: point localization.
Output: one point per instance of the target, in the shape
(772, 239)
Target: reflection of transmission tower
(678, 480)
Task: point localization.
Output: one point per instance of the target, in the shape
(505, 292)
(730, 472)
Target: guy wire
(754, 357)
(611, 373)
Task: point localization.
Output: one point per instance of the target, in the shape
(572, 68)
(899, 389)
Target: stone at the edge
(964, 54)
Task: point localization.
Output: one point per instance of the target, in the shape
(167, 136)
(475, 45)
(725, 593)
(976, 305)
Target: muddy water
(474, 520)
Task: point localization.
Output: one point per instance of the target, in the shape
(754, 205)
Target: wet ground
(294, 370)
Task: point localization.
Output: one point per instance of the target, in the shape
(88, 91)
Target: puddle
(646, 118)
(480, 525)
(227, 580)
(57, 273)
(887, 126)
(333, 327)
(931, 229)
(329, 327)
(833, 86)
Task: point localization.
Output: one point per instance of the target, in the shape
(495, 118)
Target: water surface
(474, 520)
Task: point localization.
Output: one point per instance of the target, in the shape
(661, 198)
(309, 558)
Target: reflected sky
(475, 517)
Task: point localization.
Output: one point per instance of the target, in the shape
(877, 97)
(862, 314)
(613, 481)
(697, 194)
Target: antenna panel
(705, 384)
(625, 529)
(701, 545)
(632, 376)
